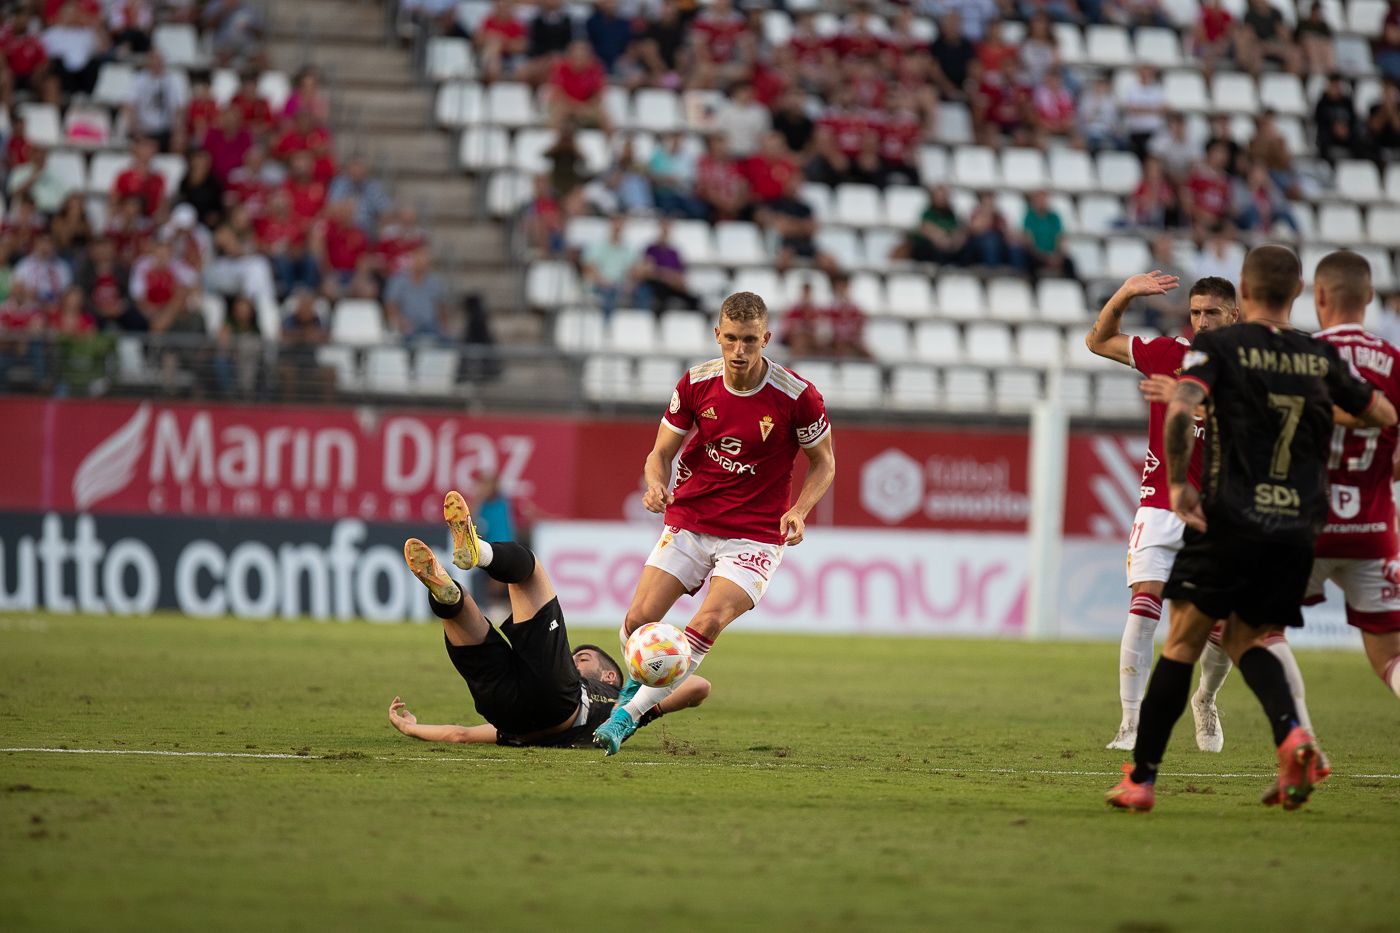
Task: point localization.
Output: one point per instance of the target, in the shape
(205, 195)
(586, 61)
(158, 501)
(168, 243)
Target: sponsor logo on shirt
(765, 426)
(724, 453)
(812, 431)
(710, 413)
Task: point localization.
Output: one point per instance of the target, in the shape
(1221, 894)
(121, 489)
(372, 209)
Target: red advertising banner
(160, 458)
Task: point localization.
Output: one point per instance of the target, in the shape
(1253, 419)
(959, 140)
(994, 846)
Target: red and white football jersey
(734, 478)
(1161, 356)
(1361, 516)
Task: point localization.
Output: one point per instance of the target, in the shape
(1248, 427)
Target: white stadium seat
(631, 330)
(657, 110)
(510, 104)
(1185, 90)
(761, 280)
(41, 124)
(888, 340)
(914, 388)
(858, 385)
(657, 377)
(1358, 180)
(858, 206)
(1087, 253)
(877, 245)
(387, 371)
(1119, 172)
(1108, 47)
(1233, 92)
(904, 206)
(608, 378)
(910, 295)
(933, 165)
(459, 103)
(686, 333)
(1023, 169)
(1340, 223)
(692, 239)
(938, 342)
(1039, 345)
(1016, 390)
(966, 389)
(1010, 299)
(868, 292)
(528, 148)
(449, 57)
(1365, 17)
(1117, 396)
(818, 197)
(1126, 256)
(1061, 301)
(508, 192)
(960, 296)
(1072, 170)
(1161, 47)
(551, 284)
(578, 330)
(70, 168)
(435, 370)
(178, 43)
(738, 243)
(989, 344)
(954, 123)
(1283, 93)
(358, 322)
(1069, 42)
(1098, 213)
(841, 244)
(976, 167)
(795, 279)
(1383, 225)
(483, 148)
(113, 87)
(340, 359)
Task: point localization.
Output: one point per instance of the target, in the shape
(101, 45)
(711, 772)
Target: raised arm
(1106, 337)
(407, 723)
(657, 472)
(821, 470)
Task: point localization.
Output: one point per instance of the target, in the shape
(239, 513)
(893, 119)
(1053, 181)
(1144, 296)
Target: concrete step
(502, 289)
(420, 151)
(357, 64)
(467, 244)
(389, 108)
(440, 197)
(330, 20)
(513, 329)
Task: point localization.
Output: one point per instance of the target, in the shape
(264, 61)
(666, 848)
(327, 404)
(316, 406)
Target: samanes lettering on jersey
(1161, 356)
(1361, 504)
(734, 478)
(1270, 392)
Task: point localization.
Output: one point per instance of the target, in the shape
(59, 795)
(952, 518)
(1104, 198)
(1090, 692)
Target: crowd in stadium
(252, 207)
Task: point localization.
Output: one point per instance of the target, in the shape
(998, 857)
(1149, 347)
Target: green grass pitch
(829, 784)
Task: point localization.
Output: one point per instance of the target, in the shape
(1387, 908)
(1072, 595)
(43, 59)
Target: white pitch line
(1228, 775)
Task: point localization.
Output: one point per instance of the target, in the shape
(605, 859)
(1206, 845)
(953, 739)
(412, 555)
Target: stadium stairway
(382, 109)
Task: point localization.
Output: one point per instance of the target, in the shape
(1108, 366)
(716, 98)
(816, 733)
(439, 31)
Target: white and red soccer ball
(658, 654)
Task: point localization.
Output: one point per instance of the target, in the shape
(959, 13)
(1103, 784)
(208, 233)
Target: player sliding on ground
(1248, 548)
(533, 690)
(1156, 535)
(728, 518)
(1358, 546)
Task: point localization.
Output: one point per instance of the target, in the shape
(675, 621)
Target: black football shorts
(1262, 582)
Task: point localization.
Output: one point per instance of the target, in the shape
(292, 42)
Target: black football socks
(1264, 674)
(1163, 705)
(510, 562)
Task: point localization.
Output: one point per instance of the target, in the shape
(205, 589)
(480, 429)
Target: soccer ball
(658, 654)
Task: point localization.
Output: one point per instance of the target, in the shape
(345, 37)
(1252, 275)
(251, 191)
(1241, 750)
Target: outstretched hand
(399, 716)
(656, 498)
(1186, 503)
(1155, 282)
(793, 527)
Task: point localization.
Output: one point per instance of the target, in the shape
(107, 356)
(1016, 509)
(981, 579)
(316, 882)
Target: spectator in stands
(940, 236)
(1044, 235)
(608, 268)
(659, 49)
(24, 54)
(308, 192)
(1145, 106)
(1222, 133)
(203, 111)
(103, 279)
(1269, 149)
(228, 143)
(201, 189)
(71, 229)
(1387, 47)
(236, 266)
(719, 185)
(1383, 124)
(973, 16)
(1259, 204)
(609, 33)
(308, 98)
(339, 247)
(953, 54)
(1335, 119)
(75, 48)
(130, 24)
(742, 121)
(252, 106)
(40, 182)
(238, 29)
(1135, 13)
(140, 180)
(1175, 148)
(1040, 53)
(156, 106)
(1314, 38)
(238, 350)
(161, 287)
(43, 273)
(299, 374)
(23, 323)
(1168, 312)
(845, 321)
(415, 300)
(1264, 36)
(303, 134)
(543, 219)
(551, 30)
(1053, 107)
(767, 171)
(282, 237)
(802, 325)
(253, 181)
(999, 107)
(1100, 123)
(791, 220)
(567, 168)
(1218, 257)
(80, 352)
(624, 188)
(991, 241)
(1153, 203)
(400, 236)
(672, 172)
(720, 42)
(129, 228)
(575, 91)
(1206, 192)
(661, 275)
(355, 183)
(190, 241)
(1212, 37)
(900, 130)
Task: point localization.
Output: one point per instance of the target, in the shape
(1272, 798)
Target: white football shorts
(1373, 601)
(1152, 545)
(692, 557)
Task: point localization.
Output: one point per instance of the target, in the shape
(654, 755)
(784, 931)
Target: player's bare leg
(724, 603)
(1135, 658)
(1299, 755)
(1162, 705)
(657, 591)
(1383, 651)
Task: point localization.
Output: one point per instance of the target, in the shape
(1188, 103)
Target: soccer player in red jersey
(1358, 546)
(1157, 533)
(728, 517)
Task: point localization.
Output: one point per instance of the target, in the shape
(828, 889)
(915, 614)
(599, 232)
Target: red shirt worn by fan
(734, 478)
(1161, 356)
(1361, 502)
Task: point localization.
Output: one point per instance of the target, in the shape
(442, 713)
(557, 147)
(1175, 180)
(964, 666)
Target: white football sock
(1280, 650)
(1135, 652)
(647, 697)
(484, 553)
(1215, 667)
(1392, 675)
(622, 636)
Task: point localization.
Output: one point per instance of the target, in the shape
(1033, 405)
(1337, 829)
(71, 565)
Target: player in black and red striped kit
(1359, 549)
(1248, 552)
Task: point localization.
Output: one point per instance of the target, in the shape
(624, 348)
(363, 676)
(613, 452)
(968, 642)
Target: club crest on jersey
(765, 426)
(710, 413)
(675, 402)
(1192, 359)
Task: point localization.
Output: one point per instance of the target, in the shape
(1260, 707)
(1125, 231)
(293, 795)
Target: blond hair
(744, 308)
